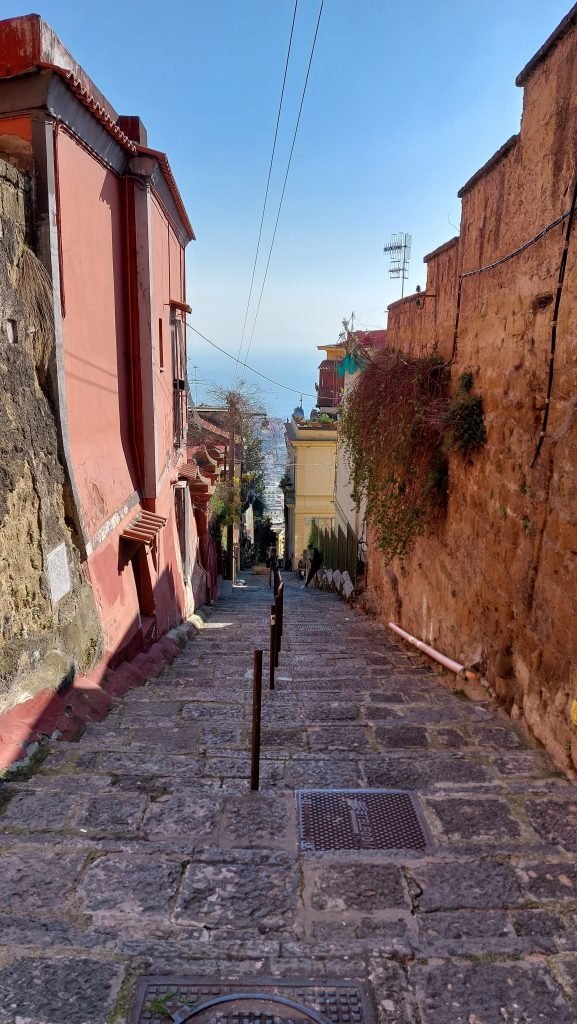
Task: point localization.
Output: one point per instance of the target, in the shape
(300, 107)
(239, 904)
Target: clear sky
(404, 102)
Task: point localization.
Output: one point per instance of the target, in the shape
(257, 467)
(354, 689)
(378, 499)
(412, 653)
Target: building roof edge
(173, 187)
(28, 44)
(441, 248)
(405, 298)
(488, 166)
(564, 26)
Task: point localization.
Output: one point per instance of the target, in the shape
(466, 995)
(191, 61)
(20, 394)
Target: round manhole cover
(252, 1008)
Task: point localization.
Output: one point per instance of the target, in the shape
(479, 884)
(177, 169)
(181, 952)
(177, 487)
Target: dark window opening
(143, 583)
(160, 346)
(179, 393)
(180, 513)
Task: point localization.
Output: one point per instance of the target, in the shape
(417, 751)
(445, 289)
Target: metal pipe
(453, 666)
(256, 709)
(272, 645)
(56, 130)
(133, 336)
(230, 473)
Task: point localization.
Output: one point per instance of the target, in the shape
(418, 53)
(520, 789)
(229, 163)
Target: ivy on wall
(398, 427)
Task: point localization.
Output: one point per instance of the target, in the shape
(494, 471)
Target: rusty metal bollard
(281, 606)
(273, 652)
(256, 708)
(279, 601)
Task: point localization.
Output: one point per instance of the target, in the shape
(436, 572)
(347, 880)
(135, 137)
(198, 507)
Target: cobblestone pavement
(140, 849)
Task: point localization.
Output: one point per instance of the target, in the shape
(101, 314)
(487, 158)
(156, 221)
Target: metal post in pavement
(281, 606)
(272, 653)
(256, 706)
(279, 610)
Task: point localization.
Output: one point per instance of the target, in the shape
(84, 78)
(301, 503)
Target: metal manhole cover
(159, 1000)
(360, 819)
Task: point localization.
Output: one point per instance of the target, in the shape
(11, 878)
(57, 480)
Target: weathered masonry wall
(48, 622)
(495, 583)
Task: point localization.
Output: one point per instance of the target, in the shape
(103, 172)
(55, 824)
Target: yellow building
(309, 494)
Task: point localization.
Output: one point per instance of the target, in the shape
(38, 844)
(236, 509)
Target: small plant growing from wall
(464, 421)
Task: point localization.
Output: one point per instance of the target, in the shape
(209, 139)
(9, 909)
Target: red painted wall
(114, 239)
(96, 349)
(161, 300)
(98, 388)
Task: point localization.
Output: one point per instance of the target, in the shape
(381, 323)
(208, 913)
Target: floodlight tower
(399, 249)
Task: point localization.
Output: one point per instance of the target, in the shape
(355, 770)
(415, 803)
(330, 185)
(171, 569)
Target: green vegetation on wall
(398, 427)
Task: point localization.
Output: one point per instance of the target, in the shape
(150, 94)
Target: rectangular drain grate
(160, 999)
(360, 819)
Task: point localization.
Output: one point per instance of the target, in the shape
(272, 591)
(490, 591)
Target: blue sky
(405, 101)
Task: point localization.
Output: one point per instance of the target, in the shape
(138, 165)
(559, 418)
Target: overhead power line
(285, 180)
(267, 186)
(277, 384)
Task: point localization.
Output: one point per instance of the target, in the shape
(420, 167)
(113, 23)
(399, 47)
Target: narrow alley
(141, 875)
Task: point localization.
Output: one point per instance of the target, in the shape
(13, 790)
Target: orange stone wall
(495, 584)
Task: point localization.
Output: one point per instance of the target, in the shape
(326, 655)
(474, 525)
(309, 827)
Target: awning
(188, 471)
(197, 482)
(144, 527)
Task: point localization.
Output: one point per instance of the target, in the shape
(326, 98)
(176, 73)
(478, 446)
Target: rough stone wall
(495, 583)
(43, 639)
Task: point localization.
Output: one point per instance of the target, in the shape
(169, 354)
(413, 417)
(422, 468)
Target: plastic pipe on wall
(453, 666)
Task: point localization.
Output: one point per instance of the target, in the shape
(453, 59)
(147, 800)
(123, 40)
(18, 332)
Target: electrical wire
(277, 384)
(517, 252)
(267, 188)
(285, 181)
(569, 217)
(497, 263)
(554, 321)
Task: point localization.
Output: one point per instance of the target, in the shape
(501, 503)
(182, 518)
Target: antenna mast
(399, 249)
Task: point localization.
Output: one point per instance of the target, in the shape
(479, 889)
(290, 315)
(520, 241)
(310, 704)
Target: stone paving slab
(58, 989)
(34, 879)
(129, 886)
(140, 849)
(465, 993)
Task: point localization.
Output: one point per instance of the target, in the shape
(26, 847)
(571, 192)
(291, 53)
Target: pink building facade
(111, 230)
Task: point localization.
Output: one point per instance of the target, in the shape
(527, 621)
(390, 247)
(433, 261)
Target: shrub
(398, 425)
(392, 431)
(464, 421)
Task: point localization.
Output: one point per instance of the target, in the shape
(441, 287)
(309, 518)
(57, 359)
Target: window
(179, 508)
(160, 346)
(180, 397)
(183, 526)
